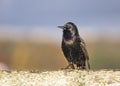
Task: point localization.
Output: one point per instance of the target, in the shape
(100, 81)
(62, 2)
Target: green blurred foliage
(48, 56)
(105, 55)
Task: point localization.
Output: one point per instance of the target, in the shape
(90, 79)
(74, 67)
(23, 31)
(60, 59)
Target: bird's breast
(68, 42)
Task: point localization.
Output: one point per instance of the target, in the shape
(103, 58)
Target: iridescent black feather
(73, 47)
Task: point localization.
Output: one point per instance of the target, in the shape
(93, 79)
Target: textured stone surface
(60, 78)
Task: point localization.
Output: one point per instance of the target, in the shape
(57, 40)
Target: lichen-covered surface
(60, 78)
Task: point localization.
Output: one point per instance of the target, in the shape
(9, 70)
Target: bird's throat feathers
(70, 40)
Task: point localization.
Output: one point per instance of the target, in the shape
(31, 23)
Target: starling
(73, 47)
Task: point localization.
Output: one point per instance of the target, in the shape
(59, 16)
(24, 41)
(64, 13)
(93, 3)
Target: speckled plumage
(73, 47)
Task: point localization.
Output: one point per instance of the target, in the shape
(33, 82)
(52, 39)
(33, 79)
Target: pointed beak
(61, 27)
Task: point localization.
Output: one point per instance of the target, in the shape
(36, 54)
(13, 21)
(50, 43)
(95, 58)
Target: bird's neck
(70, 38)
(68, 35)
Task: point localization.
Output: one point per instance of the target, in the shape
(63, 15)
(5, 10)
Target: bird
(74, 47)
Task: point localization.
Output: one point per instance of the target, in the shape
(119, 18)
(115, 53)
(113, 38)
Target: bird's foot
(81, 68)
(70, 66)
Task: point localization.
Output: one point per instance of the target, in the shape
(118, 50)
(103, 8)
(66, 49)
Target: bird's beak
(61, 27)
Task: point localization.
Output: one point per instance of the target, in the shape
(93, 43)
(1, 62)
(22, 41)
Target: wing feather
(83, 46)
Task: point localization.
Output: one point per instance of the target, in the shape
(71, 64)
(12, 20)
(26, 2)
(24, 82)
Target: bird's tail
(88, 64)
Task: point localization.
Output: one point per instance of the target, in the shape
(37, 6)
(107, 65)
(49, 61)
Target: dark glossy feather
(74, 48)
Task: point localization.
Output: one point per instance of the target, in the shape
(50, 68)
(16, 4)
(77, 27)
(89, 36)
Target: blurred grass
(48, 56)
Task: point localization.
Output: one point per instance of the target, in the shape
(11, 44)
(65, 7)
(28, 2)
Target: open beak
(61, 27)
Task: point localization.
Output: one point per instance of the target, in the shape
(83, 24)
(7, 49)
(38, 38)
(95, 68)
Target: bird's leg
(70, 65)
(67, 66)
(83, 65)
(78, 66)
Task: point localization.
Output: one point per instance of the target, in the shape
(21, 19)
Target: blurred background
(30, 39)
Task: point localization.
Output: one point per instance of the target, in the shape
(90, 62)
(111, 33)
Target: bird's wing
(83, 46)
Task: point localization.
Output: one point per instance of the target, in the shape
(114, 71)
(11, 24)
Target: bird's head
(69, 30)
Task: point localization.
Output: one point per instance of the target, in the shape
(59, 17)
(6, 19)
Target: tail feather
(88, 64)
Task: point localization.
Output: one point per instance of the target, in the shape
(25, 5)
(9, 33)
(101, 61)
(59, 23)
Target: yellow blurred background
(26, 55)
